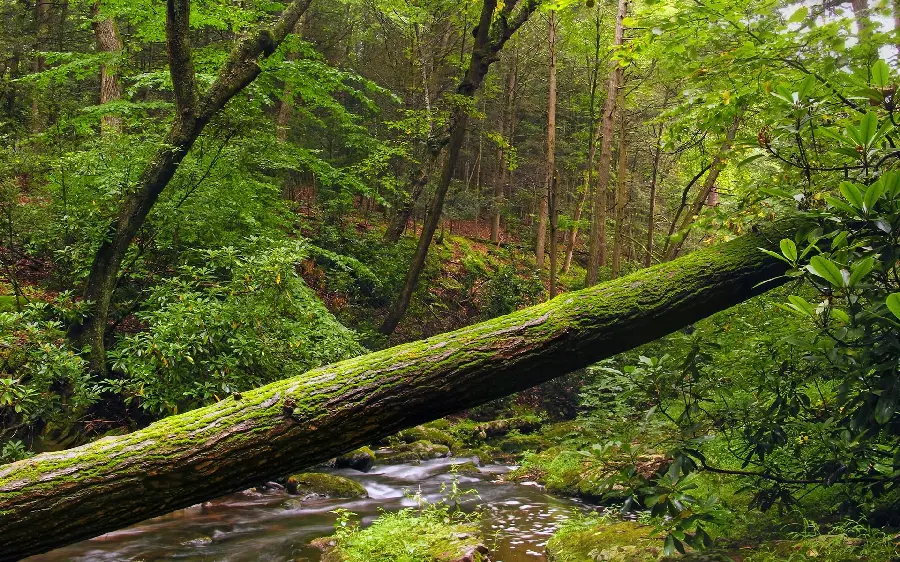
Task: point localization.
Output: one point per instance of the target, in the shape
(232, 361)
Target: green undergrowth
(605, 538)
(434, 533)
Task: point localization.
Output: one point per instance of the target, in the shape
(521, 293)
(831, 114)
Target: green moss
(318, 484)
(516, 443)
(362, 459)
(596, 538)
(410, 452)
(430, 434)
(407, 536)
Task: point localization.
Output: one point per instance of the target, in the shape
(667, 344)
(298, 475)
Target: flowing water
(272, 526)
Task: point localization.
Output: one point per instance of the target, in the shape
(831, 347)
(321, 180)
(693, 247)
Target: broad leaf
(789, 249)
(881, 74)
(893, 304)
(827, 270)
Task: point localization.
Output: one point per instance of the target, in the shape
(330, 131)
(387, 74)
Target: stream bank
(270, 526)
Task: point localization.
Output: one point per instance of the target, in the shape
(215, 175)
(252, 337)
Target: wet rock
(465, 468)
(411, 452)
(429, 434)
(362, 459)
(498, 428)
(477, 553)
(319, 485)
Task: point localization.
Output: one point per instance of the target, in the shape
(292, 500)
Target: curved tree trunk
(59, 498)
(489, 41)
(192, 113)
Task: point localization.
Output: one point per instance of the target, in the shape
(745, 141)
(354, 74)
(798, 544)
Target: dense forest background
(200, 198)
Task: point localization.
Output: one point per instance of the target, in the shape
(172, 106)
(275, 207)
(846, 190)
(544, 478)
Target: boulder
(320, 485)
(412, 452)
(362, 459)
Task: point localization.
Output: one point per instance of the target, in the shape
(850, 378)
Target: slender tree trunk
(108, 41)
(58, 498)
(572, 235)
(654, 178)
(505, 129)
(718, 164)
(551, 143)
(418, 181)
(554, 218)
(597, 251)
(621, 190)
(488, 43)
(192, 113)
(42, 19)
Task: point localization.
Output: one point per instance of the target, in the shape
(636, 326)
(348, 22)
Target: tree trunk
(108, 41)
(621, 192)
(554, 221)
(506, 117)
(551, 143)
(488, 42)
(654, 179)
(715, 168)
(401, 217)
(58, 498)
(572, 236)
(192, 113)
(597, 250)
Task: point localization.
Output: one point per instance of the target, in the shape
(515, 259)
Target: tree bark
(506, 117)
(554, 222)
(108, 41)
(551, 143)
(58, 498)
(489, 41)
(654, 179)
(597, 249)
(192, 113)
(621, 191)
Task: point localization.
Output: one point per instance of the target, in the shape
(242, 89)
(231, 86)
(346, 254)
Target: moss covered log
(58, 498)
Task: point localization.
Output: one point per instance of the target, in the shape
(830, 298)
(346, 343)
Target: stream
(273, 526)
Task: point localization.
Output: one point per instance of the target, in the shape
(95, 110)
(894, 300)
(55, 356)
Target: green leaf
(827, 270)
(873, 194)
(802, 305)
(881, 74)
(789, 249)
(893, 304)
(799, 15)
(868, 128)
(840, 315)
(852, 194)
(884, 409)
(859, 270)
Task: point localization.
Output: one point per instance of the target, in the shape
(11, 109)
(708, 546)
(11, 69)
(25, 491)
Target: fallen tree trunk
(58, 498)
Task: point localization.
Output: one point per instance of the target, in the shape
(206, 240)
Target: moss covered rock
(516, 443)
(429, 434)
(595, 539)
(498, 428)
(321, 485)
(362, 459)
(412, 452)
(468, 467)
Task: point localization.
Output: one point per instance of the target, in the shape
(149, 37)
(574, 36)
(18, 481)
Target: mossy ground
(594, 539)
